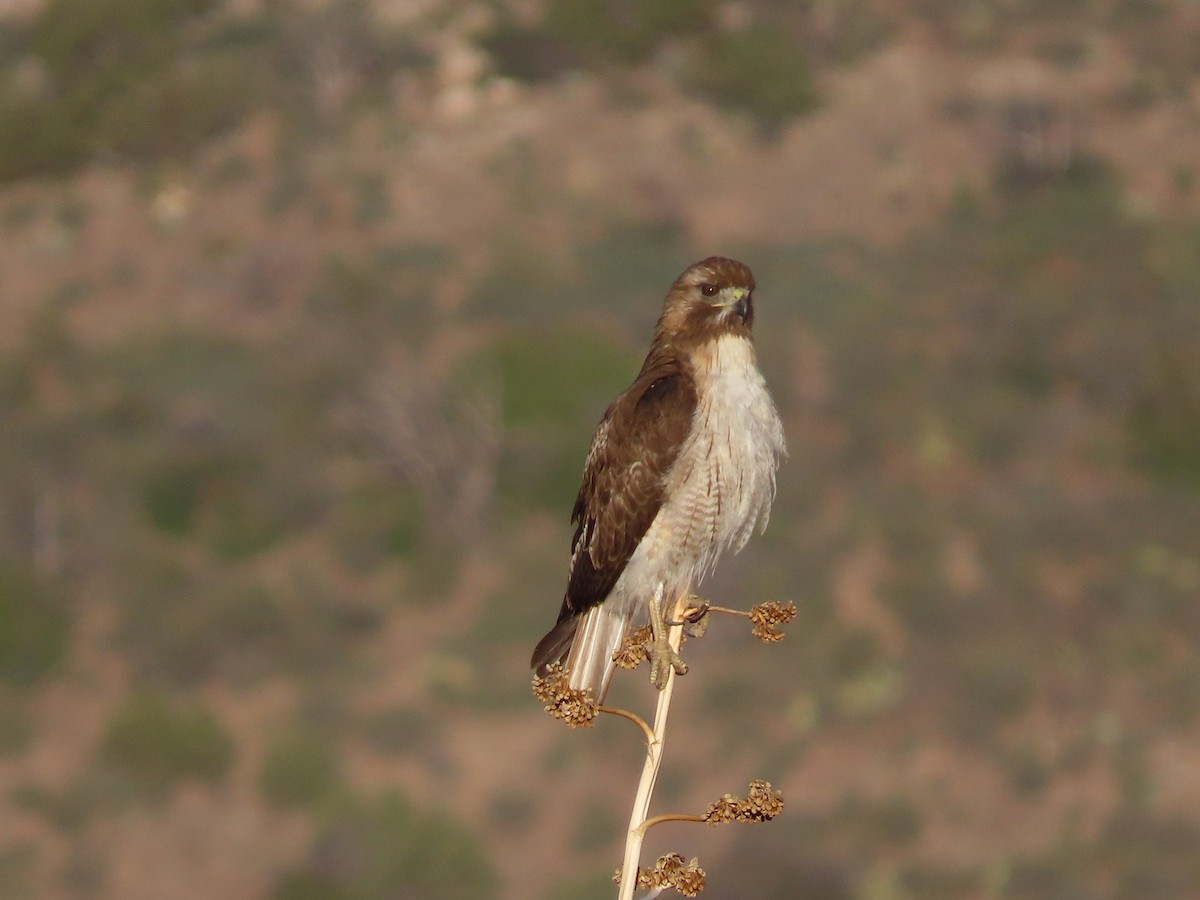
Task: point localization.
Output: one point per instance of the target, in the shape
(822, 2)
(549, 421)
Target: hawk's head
(711, 298)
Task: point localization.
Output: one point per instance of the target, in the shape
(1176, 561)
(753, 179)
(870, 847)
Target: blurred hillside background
(308, 310)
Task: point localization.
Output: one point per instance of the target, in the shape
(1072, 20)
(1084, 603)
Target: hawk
(681, 468)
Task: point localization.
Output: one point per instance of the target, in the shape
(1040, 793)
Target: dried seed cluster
(760, 805)
(765, 616)
(671, 871)
(634, 648)
(579, 708)
(575, 707)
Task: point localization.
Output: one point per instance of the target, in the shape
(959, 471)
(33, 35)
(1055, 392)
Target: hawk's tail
(586, 643)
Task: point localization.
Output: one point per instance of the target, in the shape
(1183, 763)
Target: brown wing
(623, 488)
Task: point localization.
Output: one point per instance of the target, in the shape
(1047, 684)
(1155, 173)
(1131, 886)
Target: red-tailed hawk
(681, 468)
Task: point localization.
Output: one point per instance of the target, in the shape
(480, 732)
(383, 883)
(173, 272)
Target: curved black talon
(695, 613)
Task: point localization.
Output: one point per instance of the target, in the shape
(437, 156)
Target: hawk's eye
(709, 290)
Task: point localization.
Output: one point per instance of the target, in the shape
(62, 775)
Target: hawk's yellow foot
(663, 657)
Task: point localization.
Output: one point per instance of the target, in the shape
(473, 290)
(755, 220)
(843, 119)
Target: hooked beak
(737, 302)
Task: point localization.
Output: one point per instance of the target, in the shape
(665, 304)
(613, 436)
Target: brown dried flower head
(760, 805)
(671, 871)
(575, 707)
(767, 615)
(634, 648)
(690, 880)
(724, 810)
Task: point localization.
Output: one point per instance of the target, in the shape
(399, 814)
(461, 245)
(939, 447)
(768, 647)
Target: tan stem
(654, 749)
(632, 717)
(670, 817)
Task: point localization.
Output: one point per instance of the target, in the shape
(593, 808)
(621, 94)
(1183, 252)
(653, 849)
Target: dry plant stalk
(654, 751)
(578, 708)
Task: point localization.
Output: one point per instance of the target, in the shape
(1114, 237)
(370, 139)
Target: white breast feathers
(722, 483)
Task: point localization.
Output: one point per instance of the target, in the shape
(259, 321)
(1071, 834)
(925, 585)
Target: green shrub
(999, 686)
(52, 142)
(591, 34)
(239, 516)
(915, 586)
(525, 53)
(368, 299)
(519, 286)
(597, 827)
(170, 117)
(172, 494)
(372, 202)
(1027, 772)
(156, 743)
(622, 31)
(1018, 173)
(299, 770)
(182, 628)
(887, 822)
(34, 630)
(246, 521)
(559, 377)
(762, 71)
(121, 79)
(628, 269)
(1165, 421)
(66, 34)
(184, 624)
(16, 728)
(18, 867)
(1135, 854)
(854, 653)
(376, 522)
(387, 849)
(850, 29)
(554, 385)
